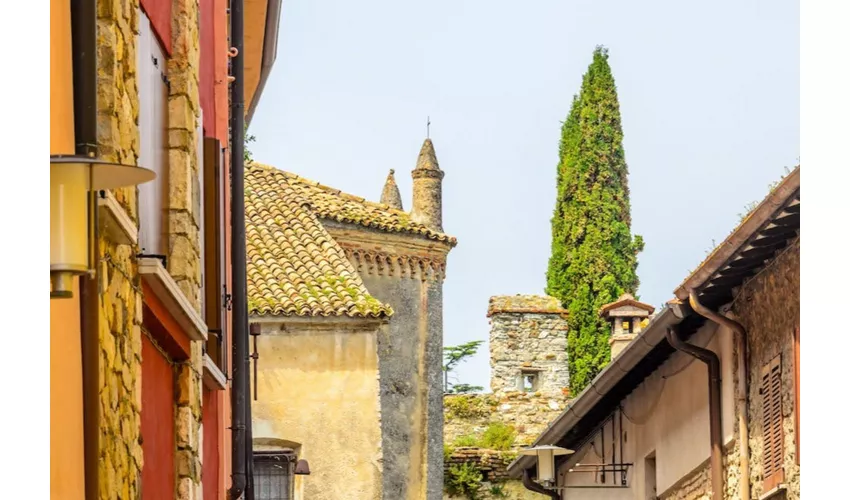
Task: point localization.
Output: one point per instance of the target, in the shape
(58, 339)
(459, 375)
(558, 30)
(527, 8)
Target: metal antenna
(428, 128)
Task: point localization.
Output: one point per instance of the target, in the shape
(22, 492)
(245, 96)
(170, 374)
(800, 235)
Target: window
(649, 474)
(214, 263)
(273, 473)
(528, 381)
(153, 124)
(771, 408)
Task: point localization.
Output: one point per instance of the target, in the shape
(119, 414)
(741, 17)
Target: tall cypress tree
(594, 258)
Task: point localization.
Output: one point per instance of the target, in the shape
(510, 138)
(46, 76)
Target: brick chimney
(626, 316)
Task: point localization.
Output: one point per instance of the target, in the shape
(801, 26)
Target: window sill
(167, 291)
(114, 221)
(777, 492)
(214, 379)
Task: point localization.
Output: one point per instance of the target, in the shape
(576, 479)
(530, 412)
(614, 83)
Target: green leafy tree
(453, 356)
(594, 257)
(249, 157)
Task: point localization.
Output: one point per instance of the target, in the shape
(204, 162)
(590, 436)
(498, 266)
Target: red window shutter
(772, 458)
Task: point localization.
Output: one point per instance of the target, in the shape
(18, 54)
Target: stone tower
(428, 189)
(528, 345)
(391, 195)
(626, 316)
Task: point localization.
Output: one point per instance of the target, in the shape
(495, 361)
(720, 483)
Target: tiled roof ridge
(412, 228)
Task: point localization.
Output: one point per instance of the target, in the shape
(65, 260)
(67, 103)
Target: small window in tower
(630, 324)
(627, 326)
(528, 381)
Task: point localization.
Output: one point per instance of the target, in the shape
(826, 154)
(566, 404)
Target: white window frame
(153, 124)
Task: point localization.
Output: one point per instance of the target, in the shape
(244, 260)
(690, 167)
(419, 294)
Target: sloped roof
(332, 204)
(539, 304)
(295, 268)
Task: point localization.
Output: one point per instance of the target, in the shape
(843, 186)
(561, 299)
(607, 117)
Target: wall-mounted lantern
(74, 182)
(546, 462)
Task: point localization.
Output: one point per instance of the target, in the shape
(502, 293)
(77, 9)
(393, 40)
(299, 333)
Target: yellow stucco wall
(318, 389)
(67, 481)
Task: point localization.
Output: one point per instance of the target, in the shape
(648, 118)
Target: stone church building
(348, 296)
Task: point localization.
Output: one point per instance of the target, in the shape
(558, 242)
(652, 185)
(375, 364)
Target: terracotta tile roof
(295, 268)
(333, 204)
(626, 299)
(539, 304)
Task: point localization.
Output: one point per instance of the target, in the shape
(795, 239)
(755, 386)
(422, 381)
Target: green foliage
(463, 480)
(498, 491)
(453, 356)
(467, 406)
(594, 256)
(498, 436)
(465, 441)
(249, 157)
(464, 389)
(448, 450)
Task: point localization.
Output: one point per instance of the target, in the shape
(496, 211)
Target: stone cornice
(377, 263)
(423, 172)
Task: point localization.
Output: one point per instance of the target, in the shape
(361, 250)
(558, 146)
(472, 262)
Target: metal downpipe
(741, 388)
(716, 431)
(532, 486)
(239, 396)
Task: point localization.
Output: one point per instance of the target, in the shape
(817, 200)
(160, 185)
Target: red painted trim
(157, 423)
(220, 62)
(159, 12)
(210, 453)
(207, 61)
(164, 328)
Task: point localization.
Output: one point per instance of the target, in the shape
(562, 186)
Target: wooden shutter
(215, 265)
(771, 389)
(797, 393)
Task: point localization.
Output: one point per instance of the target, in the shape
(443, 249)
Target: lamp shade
(546, 460)
(302, 468)
(72, 179)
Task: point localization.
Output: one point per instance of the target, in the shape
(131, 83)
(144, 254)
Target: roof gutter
(593, 393)
(272, 30)
(741, 388)
(714, 410)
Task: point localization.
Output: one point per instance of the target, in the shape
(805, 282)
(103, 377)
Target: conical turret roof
(391, 195)
(427, 157)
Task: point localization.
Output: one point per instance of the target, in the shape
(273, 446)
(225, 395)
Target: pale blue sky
(709, 96)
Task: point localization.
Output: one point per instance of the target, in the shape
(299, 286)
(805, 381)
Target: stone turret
(428, 189)
(626, 316)
(391, 195)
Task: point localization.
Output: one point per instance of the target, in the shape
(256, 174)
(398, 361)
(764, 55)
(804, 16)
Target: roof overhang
(262, 22)
(770, 228)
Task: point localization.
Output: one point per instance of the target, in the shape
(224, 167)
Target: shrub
(465, 407)
(448, 450)
(464, 480)
(467, 440)
(498, 491)
(498, 436)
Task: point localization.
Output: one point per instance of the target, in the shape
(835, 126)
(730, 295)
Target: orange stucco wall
(67, 480)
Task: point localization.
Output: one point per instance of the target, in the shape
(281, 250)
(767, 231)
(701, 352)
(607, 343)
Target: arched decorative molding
(374, 263)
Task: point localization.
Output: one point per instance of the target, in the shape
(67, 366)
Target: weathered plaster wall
(406, 273)
(769, 308)
(668, 415)
(529, 341)
(318, 389)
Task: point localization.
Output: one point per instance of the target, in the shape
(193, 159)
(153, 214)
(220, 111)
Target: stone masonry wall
(769, 308)
(120, 338)
(527, 413)
(121, 458)
(184, 222)
(530, 341)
